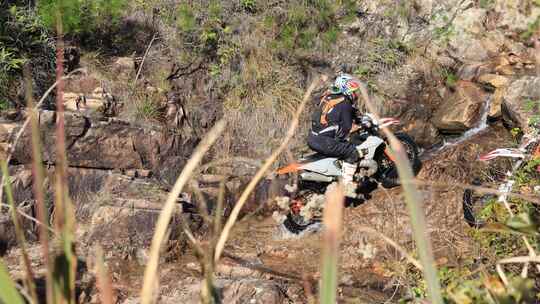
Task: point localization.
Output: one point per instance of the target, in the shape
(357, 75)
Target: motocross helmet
(348, 85)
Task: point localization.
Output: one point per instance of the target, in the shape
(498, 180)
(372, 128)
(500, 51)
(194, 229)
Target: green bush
(186, 18)
(4, 104)
(531, 29)
(487, 4)
(147, 108)
(533, 106)
(331, 36)
(10, 64)
(249, 5)
(81, 15)
(214, 11)
(24, 39)
(306, 23)
(349, 8)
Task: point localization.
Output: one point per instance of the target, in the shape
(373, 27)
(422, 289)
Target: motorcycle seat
(311, 157)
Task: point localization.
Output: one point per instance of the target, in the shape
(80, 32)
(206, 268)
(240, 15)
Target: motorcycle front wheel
(388, 174)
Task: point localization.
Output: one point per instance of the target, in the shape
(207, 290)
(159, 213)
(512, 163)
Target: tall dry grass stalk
(38, 187)
(415, 208)
(103, 280)
(65, 262)
(262, 171)
(206, 255)
(21, 239)
(208, 295)
(32, 122)
(144, 57)
(333, 225)
(150, 275)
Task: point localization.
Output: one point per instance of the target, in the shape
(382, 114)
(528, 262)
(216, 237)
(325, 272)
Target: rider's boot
(347, 177)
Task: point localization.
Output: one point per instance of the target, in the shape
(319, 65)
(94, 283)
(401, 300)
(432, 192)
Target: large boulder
(520, 104)
(495, 107)
(462, 109)
(465, 44)
(233, 291)
(110, 144)
(83, 183)
(425, 134)
(251, 291)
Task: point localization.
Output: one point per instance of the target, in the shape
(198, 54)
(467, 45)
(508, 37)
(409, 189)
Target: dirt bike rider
(332, 123)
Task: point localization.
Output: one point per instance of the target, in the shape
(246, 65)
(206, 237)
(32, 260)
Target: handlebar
(367, 121)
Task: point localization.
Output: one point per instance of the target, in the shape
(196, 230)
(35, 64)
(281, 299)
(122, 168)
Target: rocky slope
(442, 67)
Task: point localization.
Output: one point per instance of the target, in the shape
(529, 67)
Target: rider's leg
(341, 149)
(348, 169)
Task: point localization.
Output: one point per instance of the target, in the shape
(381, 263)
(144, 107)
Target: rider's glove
(366, 122)
(360, 152)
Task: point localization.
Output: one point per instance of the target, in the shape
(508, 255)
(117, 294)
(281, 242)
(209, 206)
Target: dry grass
(264, 92)
(150, 276)
(256, 109)
(262, 171)
(104, 283)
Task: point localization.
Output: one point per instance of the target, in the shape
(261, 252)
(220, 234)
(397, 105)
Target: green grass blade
(8, 292)
(333, 223)
(329, 278)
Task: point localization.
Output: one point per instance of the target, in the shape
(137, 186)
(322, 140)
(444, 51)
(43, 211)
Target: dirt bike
(474, 204)
(315, 172)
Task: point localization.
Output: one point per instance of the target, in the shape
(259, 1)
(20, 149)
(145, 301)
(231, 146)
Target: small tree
(81, 15)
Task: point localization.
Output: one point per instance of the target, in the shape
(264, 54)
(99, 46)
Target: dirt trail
(365, 259)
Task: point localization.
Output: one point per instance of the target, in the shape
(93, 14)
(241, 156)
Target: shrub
(349, 8)
(249, 5)
(148, 109)
(532, 28)
(4, 104)
(24, 39)
(533, 106)
(450, 79)
(487, 4)
(186, 18)
(330, 37)
(81, 15)
(9, 66)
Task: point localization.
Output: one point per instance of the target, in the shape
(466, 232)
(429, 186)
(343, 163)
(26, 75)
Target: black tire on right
(391, 178)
